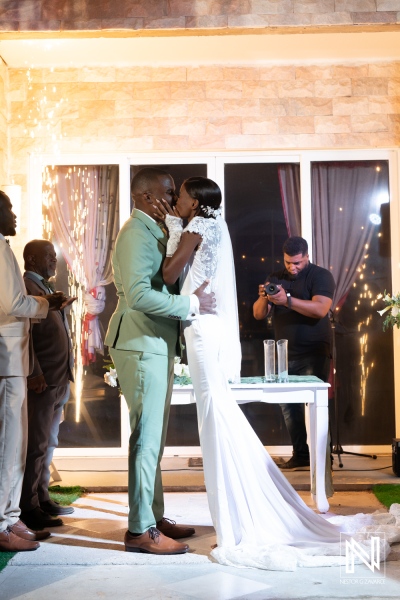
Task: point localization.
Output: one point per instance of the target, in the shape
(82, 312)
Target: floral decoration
(181, 373)
(392, 310)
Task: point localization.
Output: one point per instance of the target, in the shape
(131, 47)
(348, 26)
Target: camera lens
(271, 289)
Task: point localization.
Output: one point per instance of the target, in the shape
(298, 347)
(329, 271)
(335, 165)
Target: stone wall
(134, 15)
(3, 123)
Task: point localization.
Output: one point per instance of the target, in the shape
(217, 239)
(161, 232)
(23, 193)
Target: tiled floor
(85, 558)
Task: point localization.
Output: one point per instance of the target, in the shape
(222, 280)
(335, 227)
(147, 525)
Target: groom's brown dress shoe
(9, 542)
(172, 530)
(22, 531)
(153, 542)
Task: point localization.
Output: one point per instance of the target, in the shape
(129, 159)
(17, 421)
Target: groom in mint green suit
(142, 337)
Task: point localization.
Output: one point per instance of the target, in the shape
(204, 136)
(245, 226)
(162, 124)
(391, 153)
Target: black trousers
(294, 413)
(41, 409)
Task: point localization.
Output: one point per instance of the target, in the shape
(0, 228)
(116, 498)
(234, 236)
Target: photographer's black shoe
(296, 462)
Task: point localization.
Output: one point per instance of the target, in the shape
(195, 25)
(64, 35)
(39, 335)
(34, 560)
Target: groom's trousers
(146, 382)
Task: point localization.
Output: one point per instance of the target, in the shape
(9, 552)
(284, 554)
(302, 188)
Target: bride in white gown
(260, 520)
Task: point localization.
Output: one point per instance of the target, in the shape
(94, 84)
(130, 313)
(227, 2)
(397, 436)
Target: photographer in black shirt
(300, 315)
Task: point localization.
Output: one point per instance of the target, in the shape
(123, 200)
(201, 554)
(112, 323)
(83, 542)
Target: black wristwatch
(289, 300)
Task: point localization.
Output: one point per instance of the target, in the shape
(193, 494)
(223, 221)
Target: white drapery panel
(289, 183)
(83, 214)
(344, 196)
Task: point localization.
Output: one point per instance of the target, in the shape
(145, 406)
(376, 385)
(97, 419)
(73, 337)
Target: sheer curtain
(344, 196)
(83, 214)
(289, 183)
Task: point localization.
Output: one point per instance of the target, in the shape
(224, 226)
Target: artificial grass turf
(387, 493)
(62, 495)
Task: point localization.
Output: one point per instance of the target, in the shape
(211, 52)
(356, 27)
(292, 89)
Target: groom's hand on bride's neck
(208, 305)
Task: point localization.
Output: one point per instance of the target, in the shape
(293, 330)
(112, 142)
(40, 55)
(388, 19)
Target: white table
(312, 393)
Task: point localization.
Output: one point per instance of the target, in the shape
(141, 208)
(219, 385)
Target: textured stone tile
(62, 9)
(260, 89)
(241, 108)
(75, 127)
(134, 144)
(296, 89)
(97, 109)
(314, 6)
(224, 90)
(352, 71)
(130, 24)
(336, 18)
(373, 17)
(205, 73)
(206, 108)
(382, 5)
(355, 5)
(272, 7)
(131, 108)
(173, 108)
(9, 25)
(296, 125)
(384, 139)
(188, 90)
(311, 106)
(391, 69)
(394, 86)
(207, 142)
(84, 25)
(394, 123)
(313, 73)
(291, 20)
(171, 143)
(186, 126)
(164, 23)
(125, 9)
(223, 126)
(58, 75)
(20, 11)
(388, 105)
(53, 25)
(153, 90)
(369, 123)
(367, 86)
(271, 107)
(252, 21)
(133, 74)
(97, 74)
(330, 88)
(354, 140)
(259, 126)
(207, 22)
(150, 126)
(208, 7)
(281, 73)
(168, 74)
(240, 73)
(350, 106)
(332, 124)
(243, 142)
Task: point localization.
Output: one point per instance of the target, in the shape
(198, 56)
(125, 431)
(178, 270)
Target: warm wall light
(14, 192)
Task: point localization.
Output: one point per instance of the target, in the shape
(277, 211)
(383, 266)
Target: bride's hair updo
(207, 192)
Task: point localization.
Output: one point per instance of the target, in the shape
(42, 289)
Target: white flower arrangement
(181, 373)
(392, 309)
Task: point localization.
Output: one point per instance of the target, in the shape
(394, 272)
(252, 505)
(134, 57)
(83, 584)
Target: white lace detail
(175, 229)
(207, 252)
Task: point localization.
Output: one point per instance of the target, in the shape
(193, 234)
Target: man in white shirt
(16, 308)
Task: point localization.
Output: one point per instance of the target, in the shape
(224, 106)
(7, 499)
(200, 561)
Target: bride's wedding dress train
(259, 518)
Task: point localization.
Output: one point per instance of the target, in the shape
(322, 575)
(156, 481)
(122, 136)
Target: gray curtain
(289, 183)
(344, 195)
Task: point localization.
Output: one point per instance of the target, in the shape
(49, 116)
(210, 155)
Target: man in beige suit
(16, 308)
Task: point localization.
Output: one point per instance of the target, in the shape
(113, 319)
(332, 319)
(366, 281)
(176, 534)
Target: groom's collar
(151, 224)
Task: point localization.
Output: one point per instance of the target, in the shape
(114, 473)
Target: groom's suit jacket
(16, 308)
(52, 347)
(148, 312)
